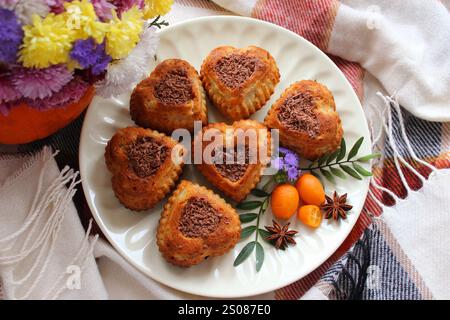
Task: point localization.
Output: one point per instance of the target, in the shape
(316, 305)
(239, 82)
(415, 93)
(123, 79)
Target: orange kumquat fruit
(310, 189)
(310, 215)
(284, 201)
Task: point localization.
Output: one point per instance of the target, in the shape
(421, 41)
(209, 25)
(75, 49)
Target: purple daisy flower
(11, 35)
(40, 83)
(71, 92)
(7, 90)
(103, 9)
(291, 159)
(89, 54)
(292, 173)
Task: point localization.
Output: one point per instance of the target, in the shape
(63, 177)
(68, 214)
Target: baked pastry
(171, 97)
(236, 179)
(145, 165)
(239, 81)
(307, 120)
(196, 224)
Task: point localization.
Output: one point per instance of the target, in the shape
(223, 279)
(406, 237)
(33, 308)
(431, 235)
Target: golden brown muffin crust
(140, 161)
(171, 97)
(236, 180)
(196, 224)
(307, 119)
(239, 81)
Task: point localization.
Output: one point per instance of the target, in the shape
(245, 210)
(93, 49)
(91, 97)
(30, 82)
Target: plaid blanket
(376, 260)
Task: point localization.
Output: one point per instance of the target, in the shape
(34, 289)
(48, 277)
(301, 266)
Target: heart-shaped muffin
(306, 118)
(239, 81)
(196, 224)
(171, 97)
(236, 159)
(145, 165)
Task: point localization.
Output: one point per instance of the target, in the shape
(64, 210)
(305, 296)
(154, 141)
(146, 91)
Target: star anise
(281, 235)
(336, 207)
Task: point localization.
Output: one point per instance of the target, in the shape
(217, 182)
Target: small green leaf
(264, 233)
(259, 256)
(369, 157)
(249, 205)
(247, 231)
(259, 193)
(327, 175)
(333, 156)
(248, 217)
(245, 252)
(281, 177)
(361, 170)
(354, 151)
(337, 172)
(265, 205)
(342, 151)
(350, 171)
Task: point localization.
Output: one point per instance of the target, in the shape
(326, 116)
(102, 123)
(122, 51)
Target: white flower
(122, 75)
(24, 10)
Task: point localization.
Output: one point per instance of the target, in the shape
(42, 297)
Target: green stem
(328, 165)
(259, 216)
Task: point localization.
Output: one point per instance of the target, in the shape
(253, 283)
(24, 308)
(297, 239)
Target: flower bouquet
(55, 54)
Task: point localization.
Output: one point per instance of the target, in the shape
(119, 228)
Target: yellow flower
(155, 8)
(81, 17)
(123, 34)
(46, 42)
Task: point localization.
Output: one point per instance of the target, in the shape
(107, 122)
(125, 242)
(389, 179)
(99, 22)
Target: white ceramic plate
(133, 233)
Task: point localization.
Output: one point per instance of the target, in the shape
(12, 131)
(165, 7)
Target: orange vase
(25, 124)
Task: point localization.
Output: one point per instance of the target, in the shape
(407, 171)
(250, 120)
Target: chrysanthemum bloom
(40, 83)
(155, 8)
(88, 54)
(82, 19)
(25, 9)
(10, 36)
(124, 33)
(46, 42)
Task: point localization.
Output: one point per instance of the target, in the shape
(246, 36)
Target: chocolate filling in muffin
(174, 88)
(198, 218)
(297, 113)
(234, 69)
(146, 155)
(235, 168)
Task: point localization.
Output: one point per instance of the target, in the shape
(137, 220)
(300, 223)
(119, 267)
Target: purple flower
(40, 83)
(277, 163)
(10, 36)
(71, 92)
(291, 159)
(103, 9)
(292, 173)
(287, 162)
(125, 5)
(89, 54)
(7, 90)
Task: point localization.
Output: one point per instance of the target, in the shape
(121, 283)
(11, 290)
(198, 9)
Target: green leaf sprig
(337, 164)
(246, 232)
(158, 23)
